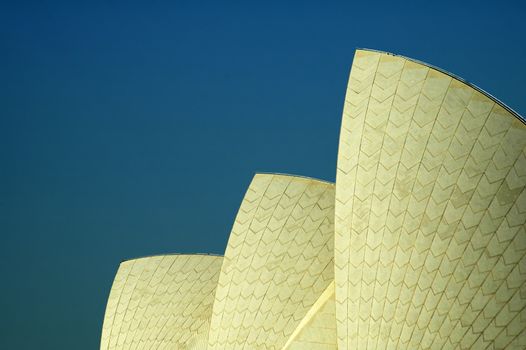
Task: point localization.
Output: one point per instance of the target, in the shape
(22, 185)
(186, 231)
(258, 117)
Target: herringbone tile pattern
(430, 211)
(278, 261)
(161, 302)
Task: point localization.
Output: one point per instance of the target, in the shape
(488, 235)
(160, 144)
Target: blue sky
(133, 128)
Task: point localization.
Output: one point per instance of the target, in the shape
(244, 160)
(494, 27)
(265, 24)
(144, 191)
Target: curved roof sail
(161, 302)
(278, 262)
(430, 242)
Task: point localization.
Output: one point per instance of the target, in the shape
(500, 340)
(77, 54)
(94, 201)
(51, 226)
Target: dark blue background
(130, 129)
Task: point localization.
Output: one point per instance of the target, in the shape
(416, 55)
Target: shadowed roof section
(161, 302)
(317, 330)
(430, 211)
(278, 262)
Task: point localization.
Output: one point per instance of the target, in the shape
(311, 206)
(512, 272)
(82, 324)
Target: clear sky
(131, 129)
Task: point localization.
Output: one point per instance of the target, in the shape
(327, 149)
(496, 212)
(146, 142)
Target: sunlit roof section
(161, 302)
(430, 212)
(278, 262)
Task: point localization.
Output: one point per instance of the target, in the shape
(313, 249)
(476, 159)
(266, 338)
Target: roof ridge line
(454, 76)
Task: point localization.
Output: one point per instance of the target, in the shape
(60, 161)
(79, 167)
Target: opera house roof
(420, 243)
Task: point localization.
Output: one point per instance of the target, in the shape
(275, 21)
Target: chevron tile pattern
(278, 262)
(421, 244)
(161, 302)
(430, 244)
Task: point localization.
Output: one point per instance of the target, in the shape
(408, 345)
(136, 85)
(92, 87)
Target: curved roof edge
(456, 77)
(294, 176)
(170, 254)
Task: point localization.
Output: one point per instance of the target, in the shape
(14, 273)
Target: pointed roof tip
(454, 76)
(302, 177)
(170, 254)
